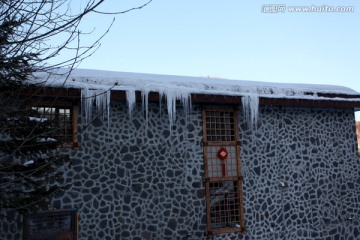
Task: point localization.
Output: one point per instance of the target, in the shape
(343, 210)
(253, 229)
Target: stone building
(169, 157)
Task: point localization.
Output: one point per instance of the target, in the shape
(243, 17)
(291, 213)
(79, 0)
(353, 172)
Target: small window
(64, 120)
(59, 224)
(223, 179)
(220, 126)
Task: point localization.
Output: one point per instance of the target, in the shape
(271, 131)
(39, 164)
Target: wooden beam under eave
(121, 96)
(309, 103)
(52, 92)
(215, 99)
(286, 102)
(72, 93)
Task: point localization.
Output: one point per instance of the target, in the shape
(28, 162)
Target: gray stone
(134, 181)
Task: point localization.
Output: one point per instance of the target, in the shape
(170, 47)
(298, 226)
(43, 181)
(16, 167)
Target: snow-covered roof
(105, 80)
(98, 85)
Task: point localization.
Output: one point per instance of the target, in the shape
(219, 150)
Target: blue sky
(232, 39)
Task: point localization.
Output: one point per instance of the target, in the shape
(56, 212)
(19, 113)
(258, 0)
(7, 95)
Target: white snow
(27, 163)
(94, 79)
(46, 140)
(96, 86)
(37, 119)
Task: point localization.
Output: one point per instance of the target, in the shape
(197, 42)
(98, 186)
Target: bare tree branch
(125, 11)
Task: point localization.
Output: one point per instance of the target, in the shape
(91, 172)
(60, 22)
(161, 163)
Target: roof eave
(332, 100)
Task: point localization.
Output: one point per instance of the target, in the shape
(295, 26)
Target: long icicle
(86, 100)
(131, 100)
(250, 104)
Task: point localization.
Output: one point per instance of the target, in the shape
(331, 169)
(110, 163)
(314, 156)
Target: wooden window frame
(74, 111)
(235, 178)
(56, 224)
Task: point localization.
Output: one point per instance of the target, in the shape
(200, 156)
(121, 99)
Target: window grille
(224, 202)
(223, 180)
(220, 126)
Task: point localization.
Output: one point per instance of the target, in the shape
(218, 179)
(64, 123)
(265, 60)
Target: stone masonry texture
(138, 179)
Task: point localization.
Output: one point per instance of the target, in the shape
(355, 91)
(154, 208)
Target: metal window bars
(223, 180)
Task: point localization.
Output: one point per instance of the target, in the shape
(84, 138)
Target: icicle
(102, 99)
(131, 100)
(171, 98)
(145, 104)
(108, 97)
(250, 104)
(99, 100)
(86, 102)
(171, 108)
(161, 95)
(186, 102)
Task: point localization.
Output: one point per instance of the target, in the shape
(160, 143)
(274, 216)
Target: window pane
(61, 119)
(224, 205)
(220, 126)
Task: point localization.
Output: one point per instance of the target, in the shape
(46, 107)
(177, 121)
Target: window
(59, 224)
(223, 180)
(64, 119)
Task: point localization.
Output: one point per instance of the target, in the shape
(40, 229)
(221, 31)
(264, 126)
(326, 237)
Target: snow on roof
(104, 80)
(97, 85)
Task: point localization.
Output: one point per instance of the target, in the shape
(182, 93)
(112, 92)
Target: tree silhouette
(31, 166)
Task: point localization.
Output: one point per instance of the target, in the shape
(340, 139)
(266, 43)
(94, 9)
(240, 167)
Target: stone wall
(137, 179)
(301, 175)
(141, 180)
